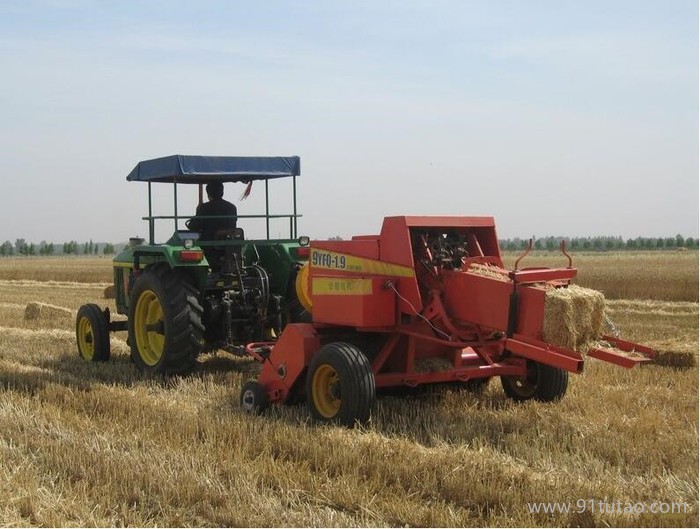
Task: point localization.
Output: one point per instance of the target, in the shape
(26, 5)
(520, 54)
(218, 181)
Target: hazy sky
(556, 117)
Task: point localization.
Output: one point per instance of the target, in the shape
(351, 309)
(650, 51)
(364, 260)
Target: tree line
(22, 247)
(602, 243)
(598, 243)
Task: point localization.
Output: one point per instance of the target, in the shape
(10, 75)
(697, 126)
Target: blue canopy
(204, 169)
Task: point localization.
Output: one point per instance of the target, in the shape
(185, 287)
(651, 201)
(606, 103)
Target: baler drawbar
(426, 301)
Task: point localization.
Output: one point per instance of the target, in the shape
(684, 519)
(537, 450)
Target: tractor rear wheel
(340, 385)
(542, 382)
(92, 333)
(254, 398)
(165, 323)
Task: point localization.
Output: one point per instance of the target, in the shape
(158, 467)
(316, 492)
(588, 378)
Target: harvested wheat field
(100, 445)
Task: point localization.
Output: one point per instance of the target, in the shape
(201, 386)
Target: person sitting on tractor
(216, 206)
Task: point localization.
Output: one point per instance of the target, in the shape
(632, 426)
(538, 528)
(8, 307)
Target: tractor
(188, 296)
(427, 301)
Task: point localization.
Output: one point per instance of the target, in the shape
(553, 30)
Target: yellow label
(327, 260)
(339, 286)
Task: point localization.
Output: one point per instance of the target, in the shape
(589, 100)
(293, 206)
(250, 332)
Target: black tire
(92, 334)
(340, 385)
(165, 323)
(542, 382)
(254, 398)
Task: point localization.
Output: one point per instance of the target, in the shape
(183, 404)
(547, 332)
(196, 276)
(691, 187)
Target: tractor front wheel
(541, 382)
(92, 334)
(340, 385)
(165, 323)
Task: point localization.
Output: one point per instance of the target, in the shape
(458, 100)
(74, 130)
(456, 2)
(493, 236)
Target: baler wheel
(92, 334)
(165, 323)
(254, 398)
(542, 382)
(340, 385)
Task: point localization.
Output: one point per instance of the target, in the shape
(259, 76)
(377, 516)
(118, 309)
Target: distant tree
(20, 246)
(108, 249)
(70, 248)
(31, 249)
(691, 243)
(6, 248)
(49, 249)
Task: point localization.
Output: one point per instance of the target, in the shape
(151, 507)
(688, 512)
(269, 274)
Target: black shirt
(209, 227)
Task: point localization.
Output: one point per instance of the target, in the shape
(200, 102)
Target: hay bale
(109, 292)
(573, 317)
(36, 310)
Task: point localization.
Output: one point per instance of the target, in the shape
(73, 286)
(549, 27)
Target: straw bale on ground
(573, 317)
(36, 310)
(675, 354)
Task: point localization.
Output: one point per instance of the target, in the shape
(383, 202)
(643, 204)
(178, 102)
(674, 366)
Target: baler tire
(544, 383)
(92, 334)
(161, 295)
(340, 385)
(554, 384)
(254, 399)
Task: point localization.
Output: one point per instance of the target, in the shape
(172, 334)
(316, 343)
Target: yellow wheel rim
(86, 340)
(325, 388)
(148, 316)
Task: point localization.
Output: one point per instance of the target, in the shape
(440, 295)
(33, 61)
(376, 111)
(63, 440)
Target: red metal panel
(289, 357)
(430, 221)
(395, 247)
(477, 299)
(530, 311)
(356, 302)
(543, 275)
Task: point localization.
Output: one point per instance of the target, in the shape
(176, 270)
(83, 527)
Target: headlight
(189, 243)
(304, 240)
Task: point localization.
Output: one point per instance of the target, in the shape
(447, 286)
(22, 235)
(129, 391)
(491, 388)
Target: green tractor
(189, 296)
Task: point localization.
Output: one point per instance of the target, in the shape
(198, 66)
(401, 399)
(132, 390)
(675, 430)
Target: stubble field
(100, 445)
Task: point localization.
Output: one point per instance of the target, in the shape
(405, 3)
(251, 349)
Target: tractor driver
(215, 207)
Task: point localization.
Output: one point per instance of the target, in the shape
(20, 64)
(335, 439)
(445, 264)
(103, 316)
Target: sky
(556, 117)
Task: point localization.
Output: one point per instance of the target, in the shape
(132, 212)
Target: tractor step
(623, 353)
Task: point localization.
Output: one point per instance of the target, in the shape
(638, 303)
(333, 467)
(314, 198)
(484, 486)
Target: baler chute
(426, 301)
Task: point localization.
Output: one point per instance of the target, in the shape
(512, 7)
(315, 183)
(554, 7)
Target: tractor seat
(230, 234)
(226, 258)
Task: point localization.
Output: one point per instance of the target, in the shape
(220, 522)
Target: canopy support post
(267, 209)
(294, 194)
(151, 227)
(175, 200)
